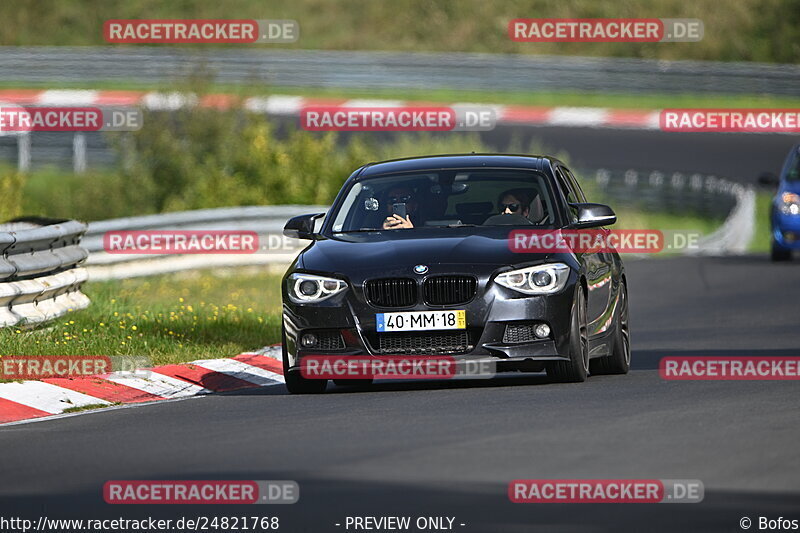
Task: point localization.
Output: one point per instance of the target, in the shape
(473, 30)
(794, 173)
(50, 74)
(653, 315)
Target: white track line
(578, 116)
(94, 411)
(159, 384)
(374, 103)
(68, 97)
(238, 369)
(168, 101)
(46, 397)
(277, 104)
(274, 352)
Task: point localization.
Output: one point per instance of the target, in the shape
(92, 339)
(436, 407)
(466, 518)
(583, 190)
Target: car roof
(532, 162)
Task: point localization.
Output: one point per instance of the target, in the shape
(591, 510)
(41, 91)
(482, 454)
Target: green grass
(630, 219)
(168, 318)
(187, 316)
(648, 101)
(745, 30)
(762, 236)
(90, 407)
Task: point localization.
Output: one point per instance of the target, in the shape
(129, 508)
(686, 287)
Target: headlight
(789, 204)
(540, 279)
(309, 289)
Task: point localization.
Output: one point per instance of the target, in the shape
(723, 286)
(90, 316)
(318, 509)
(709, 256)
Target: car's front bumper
(491, 315)
(786, 231)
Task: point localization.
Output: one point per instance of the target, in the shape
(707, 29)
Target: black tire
(355, 383)
(779, 253)
(295, 383)
(619, 361)
(575, 370)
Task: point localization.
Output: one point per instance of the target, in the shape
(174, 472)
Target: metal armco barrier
(675, 192)
(321, 68)
(40, 276)
(694, 194)
(266, 221)
(705, 196)
(33, 288)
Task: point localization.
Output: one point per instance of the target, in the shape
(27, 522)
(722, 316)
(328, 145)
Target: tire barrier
(40, 272)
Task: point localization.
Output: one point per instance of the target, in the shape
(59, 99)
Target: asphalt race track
(450, 449)
(738, 156)
(741, 157)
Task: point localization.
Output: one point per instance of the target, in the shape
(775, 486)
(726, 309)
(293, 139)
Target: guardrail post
(24, 152)
(79, 153)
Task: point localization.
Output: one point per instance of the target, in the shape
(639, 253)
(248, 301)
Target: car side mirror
(768, 180)
(302, 227)
(594, 215)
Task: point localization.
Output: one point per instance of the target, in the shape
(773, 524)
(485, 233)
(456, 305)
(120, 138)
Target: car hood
(790, 186)
(359, 252)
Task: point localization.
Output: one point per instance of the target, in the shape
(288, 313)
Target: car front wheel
(296, 383)
(619, 361)
(577, 368)
(779, 253)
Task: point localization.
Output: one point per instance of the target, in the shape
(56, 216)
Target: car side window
(569, 192)
(575, 185)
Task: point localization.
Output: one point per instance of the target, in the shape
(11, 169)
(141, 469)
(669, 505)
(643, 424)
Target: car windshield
(793, 173)
(446, 199)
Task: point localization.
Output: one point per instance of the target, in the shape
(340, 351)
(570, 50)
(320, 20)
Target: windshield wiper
(356, 231)
(456, 226)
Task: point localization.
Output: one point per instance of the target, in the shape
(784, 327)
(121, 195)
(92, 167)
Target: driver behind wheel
(403, 196)
(514, 202)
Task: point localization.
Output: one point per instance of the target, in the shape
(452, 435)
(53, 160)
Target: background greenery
(744, 30)
(11, 187)
(168, 318)
(203, 157)
(199, 158)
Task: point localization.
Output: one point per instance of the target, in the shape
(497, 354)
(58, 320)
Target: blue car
(785, 213)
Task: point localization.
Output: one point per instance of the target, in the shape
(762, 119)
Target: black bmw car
(413, 258)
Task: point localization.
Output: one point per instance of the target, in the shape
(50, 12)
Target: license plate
(421, 320)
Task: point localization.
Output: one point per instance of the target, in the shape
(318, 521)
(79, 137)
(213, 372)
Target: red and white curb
(25, 400)
(591, 117)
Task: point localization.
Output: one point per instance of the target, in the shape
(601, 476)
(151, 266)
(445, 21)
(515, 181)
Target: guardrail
(398, 70)
(40, 276)
(695, 194)
(707, 196)
(677, 193)
(40, 259)
(54, 66)
(266, 221)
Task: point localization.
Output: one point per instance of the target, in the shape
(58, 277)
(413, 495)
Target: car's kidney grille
(423, 343)
(449, 290)
(393, 292)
